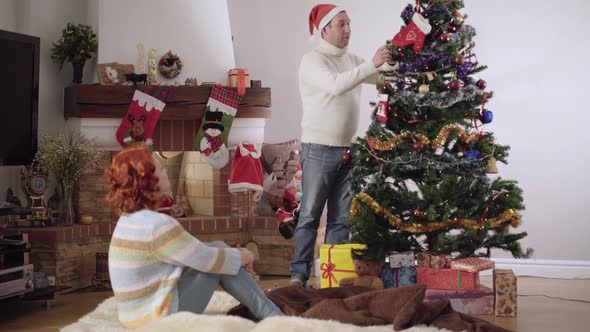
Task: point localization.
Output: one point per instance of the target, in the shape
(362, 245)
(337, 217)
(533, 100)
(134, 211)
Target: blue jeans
(195, 289)
(326, 177)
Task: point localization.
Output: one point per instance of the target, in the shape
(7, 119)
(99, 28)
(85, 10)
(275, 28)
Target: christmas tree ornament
(213, 133)
(346, 156)
(481, 84)
(413, 33)
(487, 116)
(459, 59)
(417, 146)
(445, 37)
(382, 108)
(472, 154)
(491, 167)
(418, 213)
(143, 114)
(423, 89)
(457, 19)
(455, 85)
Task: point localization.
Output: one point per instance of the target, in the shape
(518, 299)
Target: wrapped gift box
(402, 259)
(472, 264)
(437, 261)
(505, 293)
(234, 75)
(336, 263)
(472, 302)
(447, 278)
(398, 277)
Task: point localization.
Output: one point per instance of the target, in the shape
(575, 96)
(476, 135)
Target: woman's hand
(247, 258)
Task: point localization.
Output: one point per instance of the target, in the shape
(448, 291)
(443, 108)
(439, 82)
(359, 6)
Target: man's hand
(247, 258)
(382, 56)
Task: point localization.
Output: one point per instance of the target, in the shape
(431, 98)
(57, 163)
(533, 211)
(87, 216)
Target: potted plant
(67, 156)
(76, 45)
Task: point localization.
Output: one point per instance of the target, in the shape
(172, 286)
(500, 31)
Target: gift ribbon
(329, 268)
(458, 279)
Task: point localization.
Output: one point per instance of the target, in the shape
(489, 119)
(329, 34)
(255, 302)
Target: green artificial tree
(420, 175)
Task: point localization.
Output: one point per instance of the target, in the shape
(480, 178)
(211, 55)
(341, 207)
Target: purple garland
(464, 69)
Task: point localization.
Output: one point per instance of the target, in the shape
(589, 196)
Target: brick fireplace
(212, 213)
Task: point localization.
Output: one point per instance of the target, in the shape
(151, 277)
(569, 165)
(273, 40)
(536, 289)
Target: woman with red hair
(156, 267)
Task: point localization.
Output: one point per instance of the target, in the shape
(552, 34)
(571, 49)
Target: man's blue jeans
(326, 177)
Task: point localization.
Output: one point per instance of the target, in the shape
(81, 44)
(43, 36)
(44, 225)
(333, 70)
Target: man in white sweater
(330, 81)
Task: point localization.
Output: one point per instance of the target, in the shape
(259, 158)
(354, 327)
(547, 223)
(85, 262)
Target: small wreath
(170, 65)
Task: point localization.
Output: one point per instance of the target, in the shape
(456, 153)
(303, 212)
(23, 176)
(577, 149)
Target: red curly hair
(132, 180)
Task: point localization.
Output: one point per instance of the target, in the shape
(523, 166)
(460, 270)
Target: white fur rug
(104, 318)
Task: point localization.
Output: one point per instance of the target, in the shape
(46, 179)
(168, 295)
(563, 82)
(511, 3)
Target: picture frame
(113, 72)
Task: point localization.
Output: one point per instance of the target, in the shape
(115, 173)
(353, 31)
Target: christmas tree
(420, 176)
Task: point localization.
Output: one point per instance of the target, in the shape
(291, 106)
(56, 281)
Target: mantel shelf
(184, 102)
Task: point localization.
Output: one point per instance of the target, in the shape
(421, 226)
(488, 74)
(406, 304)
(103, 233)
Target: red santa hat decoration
(320, 16)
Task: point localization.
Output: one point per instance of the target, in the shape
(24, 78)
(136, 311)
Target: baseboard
(545, 268)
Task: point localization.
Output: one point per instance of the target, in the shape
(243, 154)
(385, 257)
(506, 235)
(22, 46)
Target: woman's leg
(195, 289)
(245, 289)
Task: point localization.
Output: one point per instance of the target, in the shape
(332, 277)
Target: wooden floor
(543, 305)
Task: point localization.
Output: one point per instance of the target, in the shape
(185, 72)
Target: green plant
(66, 156)
(76, 45)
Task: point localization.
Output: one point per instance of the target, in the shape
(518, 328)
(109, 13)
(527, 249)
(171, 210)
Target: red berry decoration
(459, 59)
(481, 84)
(445, 38)
(454, 85)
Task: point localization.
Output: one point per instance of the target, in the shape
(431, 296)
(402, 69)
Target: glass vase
(66, 205)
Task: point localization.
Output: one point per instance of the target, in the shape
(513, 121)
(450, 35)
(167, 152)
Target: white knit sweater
(330, 86)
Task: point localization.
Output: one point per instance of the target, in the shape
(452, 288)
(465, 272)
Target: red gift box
(447, 278)
(505, 290)
(472, 264)
(437, 261)
(470, 302)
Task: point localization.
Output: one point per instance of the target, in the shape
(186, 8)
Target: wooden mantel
(184, 102)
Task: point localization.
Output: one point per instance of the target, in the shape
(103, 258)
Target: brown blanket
(402, 307)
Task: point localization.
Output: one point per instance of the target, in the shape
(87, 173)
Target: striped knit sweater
(147, 255)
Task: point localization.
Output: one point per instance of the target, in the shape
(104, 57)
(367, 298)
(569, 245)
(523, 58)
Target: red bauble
(417, 146)
(455, 85)
(459, 59)
(417, 213)
(481, 84)
(445, 38)
(346, 156)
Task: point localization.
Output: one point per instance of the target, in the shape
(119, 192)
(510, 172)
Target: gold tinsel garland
(439, 141)
(500, 223)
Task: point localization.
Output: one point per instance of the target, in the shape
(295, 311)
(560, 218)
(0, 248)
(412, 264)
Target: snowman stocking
(142, 116)
(211, 139)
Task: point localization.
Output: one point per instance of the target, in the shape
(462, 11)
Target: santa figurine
(212, 145)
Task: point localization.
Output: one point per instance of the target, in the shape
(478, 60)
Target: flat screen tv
(19, 97)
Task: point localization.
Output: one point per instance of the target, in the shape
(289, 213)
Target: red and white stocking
(142, 115)
(382, 108)
(219, 115)
(413, 33)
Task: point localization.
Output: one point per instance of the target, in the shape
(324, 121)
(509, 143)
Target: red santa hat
(321, 15)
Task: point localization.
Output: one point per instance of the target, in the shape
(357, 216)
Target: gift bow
(329, 268)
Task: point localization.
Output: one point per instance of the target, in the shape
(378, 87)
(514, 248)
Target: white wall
(198, 31)
(7, 15)
(535, 51)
